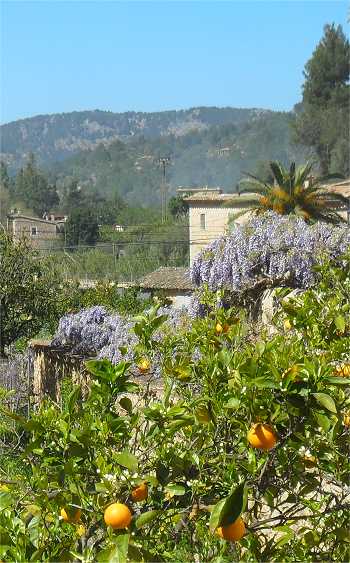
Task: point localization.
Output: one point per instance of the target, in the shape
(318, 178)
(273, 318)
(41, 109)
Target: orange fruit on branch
(232, 532)
(71, 514)
(262, 436)
(140, 493)
(144, 365)
(117, 515)
(219, 328)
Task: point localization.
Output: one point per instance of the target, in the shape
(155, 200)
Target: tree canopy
(322, 120)
(29, 290)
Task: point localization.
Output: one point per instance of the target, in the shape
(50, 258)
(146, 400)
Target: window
(34, 231)
(202, 221)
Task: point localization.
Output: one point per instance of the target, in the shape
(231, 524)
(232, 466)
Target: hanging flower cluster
(95, 332)
(278, 247)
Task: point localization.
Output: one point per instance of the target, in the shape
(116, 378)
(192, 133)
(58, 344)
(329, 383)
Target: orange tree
(210, 490)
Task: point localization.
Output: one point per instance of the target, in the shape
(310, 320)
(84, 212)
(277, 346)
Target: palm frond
(291, 179)
(302, 173)
(278, 172)
(255, 186)
(250, 177)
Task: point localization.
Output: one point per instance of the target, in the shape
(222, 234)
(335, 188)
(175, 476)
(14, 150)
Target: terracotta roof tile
(167, 278)
(220, 198)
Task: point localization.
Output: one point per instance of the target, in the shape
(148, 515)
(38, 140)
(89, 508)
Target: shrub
(189, 445)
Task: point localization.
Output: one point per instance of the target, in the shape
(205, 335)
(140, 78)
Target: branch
(282, 519)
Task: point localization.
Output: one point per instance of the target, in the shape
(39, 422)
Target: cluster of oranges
(117, 515)
(263, 437)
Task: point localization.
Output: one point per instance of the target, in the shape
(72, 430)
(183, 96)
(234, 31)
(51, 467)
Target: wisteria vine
(269, 246)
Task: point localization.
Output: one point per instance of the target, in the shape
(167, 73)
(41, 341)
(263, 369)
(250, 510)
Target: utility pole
(163, 162)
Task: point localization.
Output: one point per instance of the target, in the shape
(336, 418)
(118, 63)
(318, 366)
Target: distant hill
(58, 136)
(214, 155)
(117, 153)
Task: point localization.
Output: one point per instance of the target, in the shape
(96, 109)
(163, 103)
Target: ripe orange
(232, 532)
(287, 324)
(140, 492)
(262, 436)
(219, 328)
(144, 365)
(71, 515)
(117, 515)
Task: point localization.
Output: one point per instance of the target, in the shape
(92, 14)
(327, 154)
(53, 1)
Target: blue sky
(152, 56)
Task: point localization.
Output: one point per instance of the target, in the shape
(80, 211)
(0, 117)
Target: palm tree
(294, 192)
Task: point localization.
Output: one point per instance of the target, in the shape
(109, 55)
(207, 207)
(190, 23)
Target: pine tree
(322, 122)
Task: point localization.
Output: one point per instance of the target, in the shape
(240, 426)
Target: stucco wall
(46, 232)
(216, 221)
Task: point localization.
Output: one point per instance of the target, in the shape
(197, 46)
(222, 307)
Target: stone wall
(50, 367)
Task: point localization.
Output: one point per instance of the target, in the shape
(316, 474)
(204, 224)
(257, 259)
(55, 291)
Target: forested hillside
(214, 156)
(55, 137)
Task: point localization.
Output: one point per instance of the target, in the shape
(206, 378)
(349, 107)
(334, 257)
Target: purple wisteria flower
(269, 246)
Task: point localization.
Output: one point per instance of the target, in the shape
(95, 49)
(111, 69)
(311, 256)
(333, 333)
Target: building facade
(42, 233)
(209, 213)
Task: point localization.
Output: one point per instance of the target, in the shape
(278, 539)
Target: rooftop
(15, 216)
(342, 187)
(218, 197)
(167, 278)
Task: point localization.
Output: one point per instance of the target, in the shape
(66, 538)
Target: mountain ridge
(54, 137)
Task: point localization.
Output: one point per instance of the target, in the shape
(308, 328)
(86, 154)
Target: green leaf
(74, 396)
(128, 460)
(322, 421)
(176, 490)
(117, 553)
(263, 383)
(102, 369)
(326, 401)
(215, 515)
(146, 518)
(232, 403)
(338, 380)
(285, 538)
(260, 348)
(5, 500)
(340, 323)
(226, 511)
(126, 404)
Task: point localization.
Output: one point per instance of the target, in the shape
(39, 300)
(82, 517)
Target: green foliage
(294, 191)
(322, 121)
(177, 206)
(189, 444)
(324, 315)
(128, 301)
(197, 161)
(33, 189)
(30, 291)
(81, 227)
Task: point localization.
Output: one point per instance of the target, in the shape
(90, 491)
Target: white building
(209, 213)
